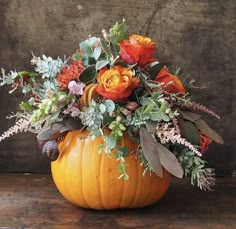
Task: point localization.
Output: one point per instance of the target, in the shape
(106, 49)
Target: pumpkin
(90, 180)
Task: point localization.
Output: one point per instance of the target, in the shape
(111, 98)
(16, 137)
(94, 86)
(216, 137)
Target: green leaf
(123, 151)
(155, 69)
(105, 47)
(155, 116)
(169, 161)
(26, 106)
(101, 64)
(110, 141)
(115, 48)
(87, 46)
(77, 56)
(190, 132)
(165, 117)
(203, 127)
(150, 151)
(97, 52)
(73, 124)
(164, 106)
(102, 108)
(88, 75)
(25, 73)
(118, 32)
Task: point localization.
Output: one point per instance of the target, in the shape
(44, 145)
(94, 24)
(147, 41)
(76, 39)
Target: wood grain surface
(198, 35)
(32, 201)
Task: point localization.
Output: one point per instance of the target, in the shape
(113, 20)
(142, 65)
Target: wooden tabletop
(32, 201)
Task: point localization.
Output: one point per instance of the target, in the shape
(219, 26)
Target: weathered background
(198, 35)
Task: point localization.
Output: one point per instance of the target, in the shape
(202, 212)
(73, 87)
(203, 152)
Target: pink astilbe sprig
(21, 125)
(166, 134)
(176, 125)
(198, 106)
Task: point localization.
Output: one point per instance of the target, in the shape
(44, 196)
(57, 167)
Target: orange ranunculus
(138, 49)
(69, 73)
(205, 141)
(116, 83)
(175, 85)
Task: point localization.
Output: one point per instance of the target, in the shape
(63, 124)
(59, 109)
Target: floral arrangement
(112, 86)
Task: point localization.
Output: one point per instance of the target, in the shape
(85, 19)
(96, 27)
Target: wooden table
(32, 201)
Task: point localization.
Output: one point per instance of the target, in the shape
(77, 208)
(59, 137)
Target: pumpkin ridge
(123, 180)
(137, 184)
(149, 193)
(82, 142)
(122, 192)
(99, 176)
(67, 181)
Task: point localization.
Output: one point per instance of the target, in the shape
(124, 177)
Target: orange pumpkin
(90, 180)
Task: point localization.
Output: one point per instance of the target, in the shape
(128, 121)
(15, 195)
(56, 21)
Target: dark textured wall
(198, 35)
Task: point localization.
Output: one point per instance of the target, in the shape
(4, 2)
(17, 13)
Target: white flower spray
(166, 134)
(21, 125)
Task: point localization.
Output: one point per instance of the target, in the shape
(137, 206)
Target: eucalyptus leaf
(169, 161)
(102, 108)
(165, 117)
(46, 134)
(110, 105)
(101, 64)
(97, 52)
(189, 115)
(114, 47)
(155, 116)
(190, 132)
(88, 75)
(73, 124)
(86, 47)
(105, 47)
(204, 127)
(150, 151)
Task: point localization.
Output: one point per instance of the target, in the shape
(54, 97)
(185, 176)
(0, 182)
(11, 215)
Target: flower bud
(118, 119)
(131, 106)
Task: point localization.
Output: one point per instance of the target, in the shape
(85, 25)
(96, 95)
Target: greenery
(112, 86)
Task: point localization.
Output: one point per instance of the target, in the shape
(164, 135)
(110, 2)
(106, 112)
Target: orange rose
(116, 83)
(138, 49)
(165, 77)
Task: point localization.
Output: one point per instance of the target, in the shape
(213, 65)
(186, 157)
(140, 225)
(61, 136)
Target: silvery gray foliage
(7, 78)
(92, 116)
(48, 66)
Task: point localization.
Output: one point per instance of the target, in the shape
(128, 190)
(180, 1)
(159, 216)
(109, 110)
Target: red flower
(116, 83)
(138, 49)
(69, 73)
(205, 141)
(175, 85)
